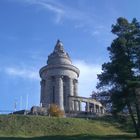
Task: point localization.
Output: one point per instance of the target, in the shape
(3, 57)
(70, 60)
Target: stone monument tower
(59, 80)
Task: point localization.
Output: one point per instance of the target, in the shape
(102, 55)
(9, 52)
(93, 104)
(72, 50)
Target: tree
(123, 69)
(103, 98)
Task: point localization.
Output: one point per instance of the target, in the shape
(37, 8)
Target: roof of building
(59, 59)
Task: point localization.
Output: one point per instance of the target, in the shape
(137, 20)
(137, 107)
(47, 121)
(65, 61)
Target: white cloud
(48, 5)
(60, 10)
(81, 19)
(57, 10)
(22, 73)
(88, 77)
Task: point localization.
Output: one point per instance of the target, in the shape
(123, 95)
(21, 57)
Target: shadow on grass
(120, 123)
(76, 137)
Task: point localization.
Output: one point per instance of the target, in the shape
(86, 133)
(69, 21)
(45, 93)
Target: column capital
(58, 76)
(70, 78)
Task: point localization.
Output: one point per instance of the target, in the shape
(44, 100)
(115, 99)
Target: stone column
(76, 88)
(94, 108)
(48, 86)
(98, 109)
(76, 94)
(76, 106)
(70, 93)
(46, 98)
(80, 108)
(87, 106)
(69, 108)
(59, 92)
(42, 84)
(103, 110)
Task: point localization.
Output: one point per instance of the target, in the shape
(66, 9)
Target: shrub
(55, 111)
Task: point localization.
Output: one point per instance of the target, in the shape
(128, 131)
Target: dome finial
(58, 41)
(59, 46)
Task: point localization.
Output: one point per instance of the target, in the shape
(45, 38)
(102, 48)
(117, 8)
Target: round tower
(59, 80)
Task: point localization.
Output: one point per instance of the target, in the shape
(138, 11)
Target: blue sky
(29, 30)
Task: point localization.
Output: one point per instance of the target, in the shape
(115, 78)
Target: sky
(29, 30)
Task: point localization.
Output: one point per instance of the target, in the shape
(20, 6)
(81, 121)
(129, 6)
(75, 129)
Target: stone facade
(59, 79)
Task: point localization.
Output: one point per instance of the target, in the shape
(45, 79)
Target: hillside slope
(31, 126)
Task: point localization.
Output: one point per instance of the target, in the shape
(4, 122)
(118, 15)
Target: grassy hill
(13, 127)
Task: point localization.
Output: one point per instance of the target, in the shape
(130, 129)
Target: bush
(55, 111)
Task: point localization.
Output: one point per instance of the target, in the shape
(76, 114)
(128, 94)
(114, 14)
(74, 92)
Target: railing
(83, 114)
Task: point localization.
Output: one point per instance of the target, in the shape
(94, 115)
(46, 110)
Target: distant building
(59, 84)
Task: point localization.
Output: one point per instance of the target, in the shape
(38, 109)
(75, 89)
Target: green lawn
(14, 127)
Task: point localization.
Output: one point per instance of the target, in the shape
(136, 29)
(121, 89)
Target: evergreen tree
(120, 76)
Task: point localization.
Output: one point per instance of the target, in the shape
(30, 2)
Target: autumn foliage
(55, 111)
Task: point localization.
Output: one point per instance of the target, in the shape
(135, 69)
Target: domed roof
(58, 63)
(58, 56)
